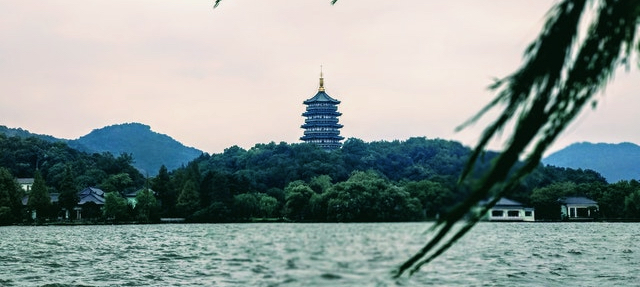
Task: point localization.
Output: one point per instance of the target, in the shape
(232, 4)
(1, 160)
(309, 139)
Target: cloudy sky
(238, 74)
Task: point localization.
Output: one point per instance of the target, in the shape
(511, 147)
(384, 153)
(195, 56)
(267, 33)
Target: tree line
(415, 179)
(410, 180)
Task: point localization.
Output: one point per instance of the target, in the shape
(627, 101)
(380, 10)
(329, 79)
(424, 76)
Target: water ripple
(493, 254)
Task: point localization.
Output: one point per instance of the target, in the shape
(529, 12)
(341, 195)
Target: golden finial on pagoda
(321, 88)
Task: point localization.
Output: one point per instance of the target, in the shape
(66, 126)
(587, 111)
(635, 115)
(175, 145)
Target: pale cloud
(237, 74)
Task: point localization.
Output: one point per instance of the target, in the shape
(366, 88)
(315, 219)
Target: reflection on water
(282, 254)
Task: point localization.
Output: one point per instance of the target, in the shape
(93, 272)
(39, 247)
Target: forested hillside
(18, 132)
(414, 179)
(22, 156)
(149, 149)
(57, 169)
(614, 161)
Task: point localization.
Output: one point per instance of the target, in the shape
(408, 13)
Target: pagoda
(321, 125)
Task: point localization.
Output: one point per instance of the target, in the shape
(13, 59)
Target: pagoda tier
(321, 125)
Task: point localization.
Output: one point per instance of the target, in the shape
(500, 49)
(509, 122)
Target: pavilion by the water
(321, 125)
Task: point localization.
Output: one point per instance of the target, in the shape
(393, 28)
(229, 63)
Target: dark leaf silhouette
(560, 74)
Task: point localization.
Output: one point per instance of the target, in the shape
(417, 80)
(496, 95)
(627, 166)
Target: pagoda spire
(321, 88)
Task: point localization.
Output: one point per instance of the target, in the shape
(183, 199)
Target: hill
(18, 132)
(150, 149)
(613, 161)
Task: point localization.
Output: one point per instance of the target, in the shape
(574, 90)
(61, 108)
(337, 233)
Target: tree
(245, 205)
(115, 207)
(297, 195)
(161, 184)
(632, 205)
(434, 197)
(545, 199)
(188, 200)
(39, 199)
(117, 183)
(613, 200)
(146, 207)
(10, 198)
(68, 198)
(320, 183)
(267, 205)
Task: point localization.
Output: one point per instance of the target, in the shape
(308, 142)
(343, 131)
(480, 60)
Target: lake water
(284, 254)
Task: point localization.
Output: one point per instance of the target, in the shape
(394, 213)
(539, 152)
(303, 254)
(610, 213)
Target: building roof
(577, 200)
(504, 202)
(25, 180)
(99, 200)
(321, 96)
(91, 194)
(91, 190)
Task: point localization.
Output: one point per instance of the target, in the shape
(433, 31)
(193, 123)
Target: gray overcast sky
(237, 74)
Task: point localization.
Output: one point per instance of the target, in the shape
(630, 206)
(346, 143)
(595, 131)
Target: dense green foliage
(39, 201)
(414, 179)
(22, 156)
(10, 198)
(409, 180)
(60, 170)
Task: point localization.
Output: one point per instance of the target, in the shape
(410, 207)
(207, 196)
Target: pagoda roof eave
(321, 96)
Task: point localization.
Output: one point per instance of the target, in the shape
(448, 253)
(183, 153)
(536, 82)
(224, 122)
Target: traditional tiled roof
(91, 194)
(581, 200)
(321, 96)
(90, 190)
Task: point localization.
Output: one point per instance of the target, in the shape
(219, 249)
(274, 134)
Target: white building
(509, 210)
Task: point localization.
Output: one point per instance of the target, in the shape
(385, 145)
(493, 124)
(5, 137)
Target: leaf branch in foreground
(542, 98)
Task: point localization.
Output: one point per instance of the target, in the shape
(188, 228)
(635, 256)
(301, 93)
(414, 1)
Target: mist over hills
(150, 149)
(615, 162)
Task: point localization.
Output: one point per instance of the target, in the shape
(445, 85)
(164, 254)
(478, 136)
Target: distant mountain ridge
(18, 132)
(613, 161)
(150, 149)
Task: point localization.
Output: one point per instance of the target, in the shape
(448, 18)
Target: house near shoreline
(578, 208)
(509, 210)
(91, 200)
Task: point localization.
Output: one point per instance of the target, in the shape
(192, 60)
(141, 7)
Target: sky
(238, 74)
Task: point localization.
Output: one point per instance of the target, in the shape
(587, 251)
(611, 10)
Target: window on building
(513, 213)
(497, 213)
